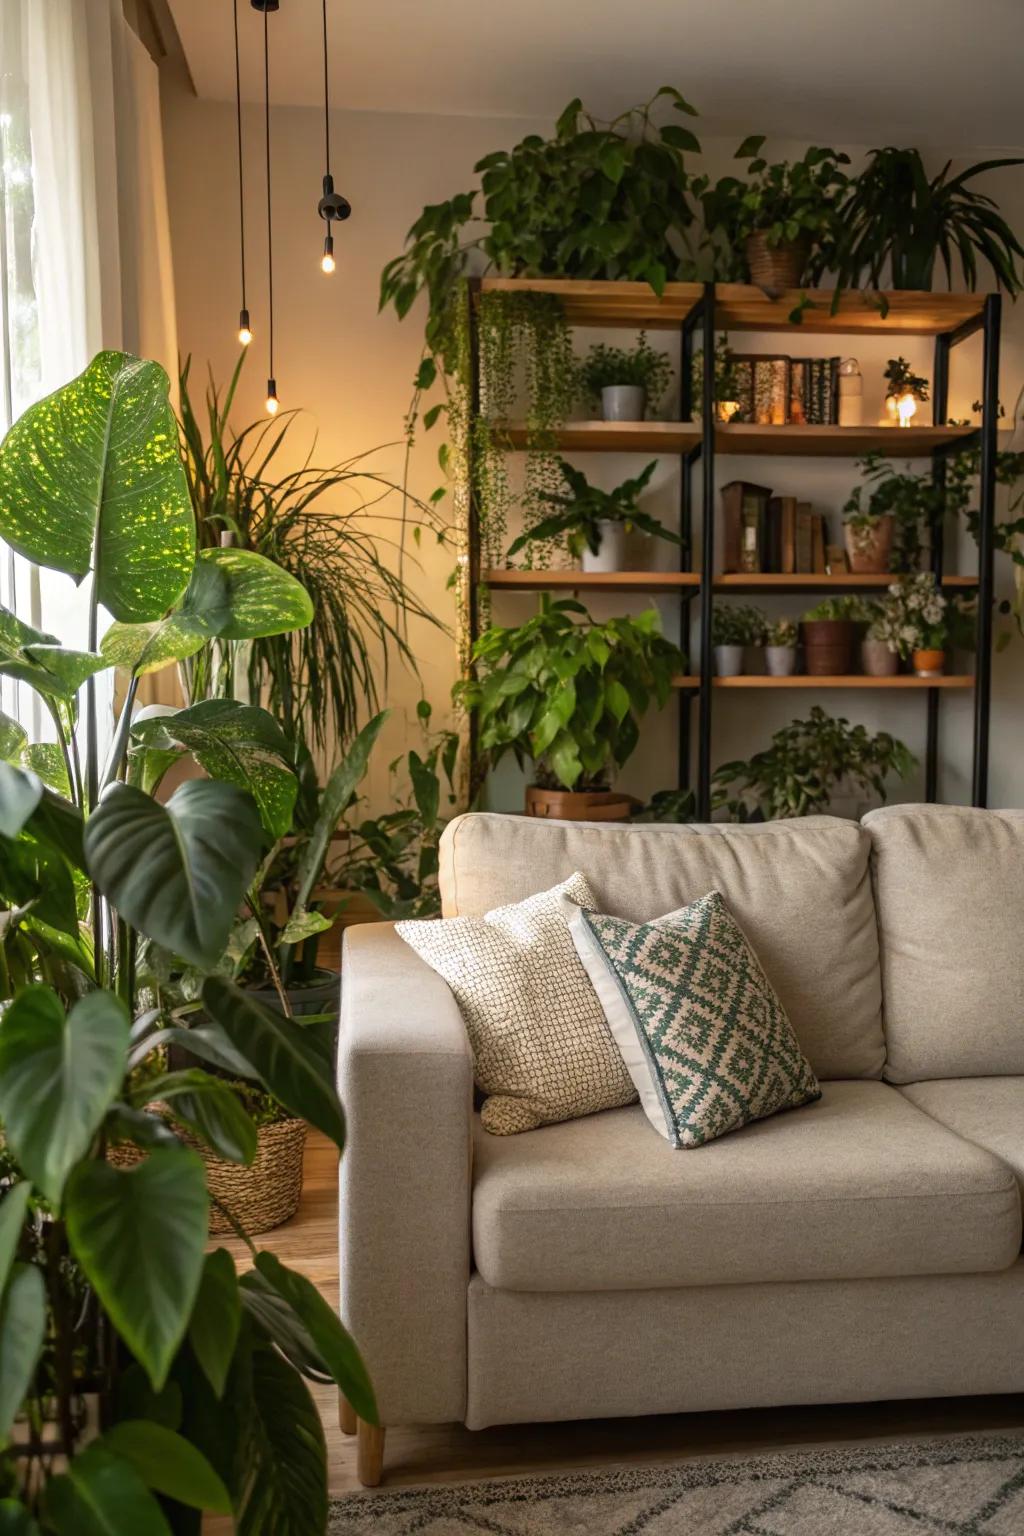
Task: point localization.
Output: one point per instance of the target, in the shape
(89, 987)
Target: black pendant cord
(270, 230)
(327, 109)
(241, 195)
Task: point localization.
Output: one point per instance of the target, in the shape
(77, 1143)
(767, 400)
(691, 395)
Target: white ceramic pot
(780, 660)
(611, 555)
(623, 402)
(877, 660)
(729, 660)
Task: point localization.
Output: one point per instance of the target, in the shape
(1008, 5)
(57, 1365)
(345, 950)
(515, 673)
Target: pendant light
(332, 205)
(266, 6)
(244, 327)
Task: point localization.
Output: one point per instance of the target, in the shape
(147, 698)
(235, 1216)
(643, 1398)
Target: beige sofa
(866, 1247)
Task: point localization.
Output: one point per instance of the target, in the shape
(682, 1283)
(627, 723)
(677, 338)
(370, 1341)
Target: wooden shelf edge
(592, 581)
(845, 581)
(850, 680)
(743, 438)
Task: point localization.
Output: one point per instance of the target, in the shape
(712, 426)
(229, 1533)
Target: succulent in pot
(735, 628)
(597, 524)
(624, 383)
(780, 648)
(568, 693)
(829, 634)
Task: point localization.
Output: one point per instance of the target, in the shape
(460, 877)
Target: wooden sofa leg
(346, 1415)
(369, 1453)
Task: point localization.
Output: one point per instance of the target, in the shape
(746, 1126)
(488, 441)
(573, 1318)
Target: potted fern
(597, 525)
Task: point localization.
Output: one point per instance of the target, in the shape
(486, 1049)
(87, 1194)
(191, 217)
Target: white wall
(351, 370)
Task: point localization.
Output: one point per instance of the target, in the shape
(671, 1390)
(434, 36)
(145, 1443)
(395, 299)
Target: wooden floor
(451, 1453)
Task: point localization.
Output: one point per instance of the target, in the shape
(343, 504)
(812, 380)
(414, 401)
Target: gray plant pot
(729, 660)
(780, 660)
(611, 554)
(877, 660)
(623, 402)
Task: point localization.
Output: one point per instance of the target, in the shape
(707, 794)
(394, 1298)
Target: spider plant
(314, 524)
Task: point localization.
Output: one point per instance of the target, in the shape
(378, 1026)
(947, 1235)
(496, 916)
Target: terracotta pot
(775, 266)
(868, 549)
(877, 660)
(828, 646)
(578, 805)
(929, 663)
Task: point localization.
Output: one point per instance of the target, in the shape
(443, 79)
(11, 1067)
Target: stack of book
(779, 391)
(814, 391)
(765, 533)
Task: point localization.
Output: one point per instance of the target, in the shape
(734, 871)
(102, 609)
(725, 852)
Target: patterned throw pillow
(542, 1048)
(705, 1038)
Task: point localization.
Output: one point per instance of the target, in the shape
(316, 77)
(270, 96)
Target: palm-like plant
(586, 507)
(313, 523)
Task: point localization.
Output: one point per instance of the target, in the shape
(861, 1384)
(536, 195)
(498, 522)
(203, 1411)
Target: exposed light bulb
(906, 406)
(244, 328)
(327, 260)
(272, 400)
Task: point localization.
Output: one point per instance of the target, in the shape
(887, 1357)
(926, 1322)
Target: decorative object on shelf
(813, 391)
(921, 625)
(868, 537)
(624, 383)
(731, 383)
(829, 633)
(568, 692)
(804, 766)
(780, 640)
(744, 513)
(782, 215)
(896, 222)
(735, 628)
(244, 323)
(879, 650)
(903, 390)
(851, 393)
(332, 206)
(596, 524)
(916, 503)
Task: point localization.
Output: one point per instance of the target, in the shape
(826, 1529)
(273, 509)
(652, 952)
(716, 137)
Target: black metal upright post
(986, 520)
(707, 560)
(940, 409)
(686, 463)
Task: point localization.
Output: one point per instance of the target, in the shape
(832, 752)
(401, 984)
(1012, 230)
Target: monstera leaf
(91, 480)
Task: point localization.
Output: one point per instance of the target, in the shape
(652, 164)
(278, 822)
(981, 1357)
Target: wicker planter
(775, 266)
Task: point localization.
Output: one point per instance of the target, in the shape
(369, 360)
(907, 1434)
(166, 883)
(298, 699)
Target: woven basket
(775, 266)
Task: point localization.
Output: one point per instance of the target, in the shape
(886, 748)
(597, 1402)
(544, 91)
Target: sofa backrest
(949, 890)
(801, 891)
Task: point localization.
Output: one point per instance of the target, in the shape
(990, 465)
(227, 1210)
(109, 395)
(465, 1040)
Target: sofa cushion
(949, 886)
(800, 890)
(986, 1110)
(860, 1184)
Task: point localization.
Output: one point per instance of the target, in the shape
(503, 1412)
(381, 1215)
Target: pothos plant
(916, 503)
(113, 1314)
(790, 203)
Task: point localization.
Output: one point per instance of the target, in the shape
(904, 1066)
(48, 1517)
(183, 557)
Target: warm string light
(273, 404)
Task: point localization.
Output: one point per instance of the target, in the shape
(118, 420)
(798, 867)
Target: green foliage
(586, 507)
(916, 502)
(727, 383)
(807, 761)
(641, 366)
(918, 613)
(790, 203)
(568, 692)
(781, 632)
(843, 610)
(900, 379)
(737, 624)
(1008, 532)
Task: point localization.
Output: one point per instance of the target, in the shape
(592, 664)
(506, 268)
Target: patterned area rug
(961, 1487)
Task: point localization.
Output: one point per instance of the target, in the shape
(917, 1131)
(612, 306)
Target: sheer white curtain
(84, 244)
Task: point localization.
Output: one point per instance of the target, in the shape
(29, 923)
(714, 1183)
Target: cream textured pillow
(542, 1047)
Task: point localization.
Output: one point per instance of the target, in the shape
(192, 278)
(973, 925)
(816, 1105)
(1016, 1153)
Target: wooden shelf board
(592, 581)
(773, 581)
(853, 680)
(617, 436)
(836, 442)
(609, 303)
(742, 307)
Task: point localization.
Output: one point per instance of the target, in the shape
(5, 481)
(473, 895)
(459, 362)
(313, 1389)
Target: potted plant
(829, 633)
(728, 390)
(105, 1272)
(780, 648)
(880, 650)
(596, 524)
(733, 629)
(915, 503)
(625, 384)
(782, 215)
(868, 537)
(903, 390)
(919, 614)
(568, 693)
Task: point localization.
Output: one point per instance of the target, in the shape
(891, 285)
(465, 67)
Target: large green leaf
(15, 1519)
(285, 1454)
(13, 738)
(139, 1236)
(45, 759)
(277, 1320)
(22, 1329)
(52, 670)
(35, 876)
(91, 480)
(13, 1205)
(209, 1107)
(338, 791)
(237, 743)
(20, 793)
(289, 1066)
(180, 633)
(216, 1318)
(176, 872)
(260, 598)
(58, 1077)
(332, 1340)
(168, 1464)
(102, 1495)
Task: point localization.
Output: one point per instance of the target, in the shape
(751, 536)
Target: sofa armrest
(405, 1075)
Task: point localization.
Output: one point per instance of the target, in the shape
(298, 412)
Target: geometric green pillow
(701, 1030)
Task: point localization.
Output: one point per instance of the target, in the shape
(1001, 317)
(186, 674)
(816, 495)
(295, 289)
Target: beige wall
(350, 369)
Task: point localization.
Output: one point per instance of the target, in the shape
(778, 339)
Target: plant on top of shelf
(593, 521)
(569, 692)
(914, 501)
(898, 222)
(783, 215)
(800, 771)
(607, 373)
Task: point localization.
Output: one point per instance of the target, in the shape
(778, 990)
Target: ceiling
(858, 71)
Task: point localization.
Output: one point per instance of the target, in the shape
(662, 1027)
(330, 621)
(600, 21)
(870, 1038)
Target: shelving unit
(696, 312)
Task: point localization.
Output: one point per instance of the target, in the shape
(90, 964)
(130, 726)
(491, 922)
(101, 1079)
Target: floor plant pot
(623, 402)
(611, 552)
(877, 660)
(868, 549)
(780, 660)
(775, 266)
(729, 660)
(578, 804)
(929, 663)
(828, 646)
